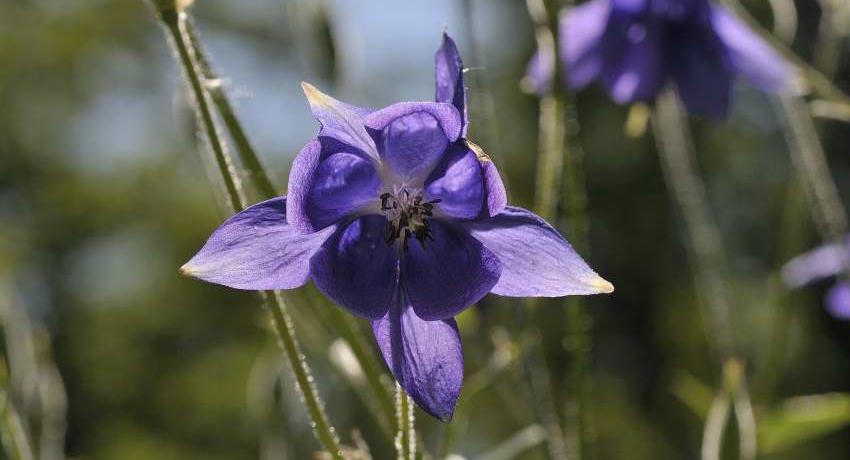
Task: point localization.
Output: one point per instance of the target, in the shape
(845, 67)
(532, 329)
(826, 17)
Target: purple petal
(495, 194)
(412, 136)
(256, 249)
(702, 77)
(838, 301)
(448, 273)
(328, 181)
(822, 262)
(425, 357)
(749, 54)
(458, 183)
(357, 269)
(581, 32)
(339, 120)
(448, 72)
(635, 69)
(538, 73)
(633, 6)
(536, 260)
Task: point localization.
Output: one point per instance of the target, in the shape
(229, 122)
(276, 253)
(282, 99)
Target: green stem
(264, 186)
(304, 381)
(257, 174)
(674, 144)
(175, 24)
(675, 147)
(405, 441)
(809, 160)
(351, 333)
(560, 183)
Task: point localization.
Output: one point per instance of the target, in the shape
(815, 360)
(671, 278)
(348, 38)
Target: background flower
(636, 48)
(826, 261)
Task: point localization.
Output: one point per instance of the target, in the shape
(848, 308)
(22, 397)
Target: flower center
(407, 215)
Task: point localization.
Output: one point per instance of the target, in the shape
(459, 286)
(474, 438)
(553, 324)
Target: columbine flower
(827, 261)
(399, 219)
(635, 47)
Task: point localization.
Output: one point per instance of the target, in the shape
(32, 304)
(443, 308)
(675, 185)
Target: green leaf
(802, 419)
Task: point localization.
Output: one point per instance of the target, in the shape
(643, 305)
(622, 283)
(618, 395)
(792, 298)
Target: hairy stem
(405, 441)
(257, 174)
(263, 184)
(175, 22)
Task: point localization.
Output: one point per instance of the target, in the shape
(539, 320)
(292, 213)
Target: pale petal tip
(602, 285)
(314, 96)
(187, 269)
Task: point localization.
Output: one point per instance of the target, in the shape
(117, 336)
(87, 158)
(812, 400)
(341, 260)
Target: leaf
(692, 393)
(802, 419)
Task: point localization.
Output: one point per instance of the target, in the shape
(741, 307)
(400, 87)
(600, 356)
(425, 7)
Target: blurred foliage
(103, 197)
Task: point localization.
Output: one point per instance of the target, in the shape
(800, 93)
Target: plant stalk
(175, 22)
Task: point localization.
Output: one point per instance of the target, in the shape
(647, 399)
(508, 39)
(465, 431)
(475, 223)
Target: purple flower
(826, 261)
(399, 219)
(634, 47)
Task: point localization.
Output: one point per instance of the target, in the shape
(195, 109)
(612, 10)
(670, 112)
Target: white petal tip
(315, 97)
(187, 270)
(601, 285)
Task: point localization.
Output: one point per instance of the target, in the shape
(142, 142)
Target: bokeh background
(103, 195)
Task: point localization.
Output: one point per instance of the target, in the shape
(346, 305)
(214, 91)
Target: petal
(300, 182)
(328, 181)
(412, 136)
(448, 273)
(819, 263)
(536, 260)
(257, 249)
(838, 300)
(581, 31)
(339, 120)
(495, 193)
(538, 74)
(749, 54)
(448, 72)
(458, 183)
(357, 269)
(425, 357)
(635, 69)
(702, 76)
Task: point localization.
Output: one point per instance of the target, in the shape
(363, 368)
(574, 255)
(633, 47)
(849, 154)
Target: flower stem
(263, 184)
(257, 174)
(675, 147)
(175, 22)
(674, 144)
(405, 441)
(809, 160)
(304, 380)
(560, 184)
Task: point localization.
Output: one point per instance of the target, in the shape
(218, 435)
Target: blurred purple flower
(827, 261)
(634, 47)
(399, 219)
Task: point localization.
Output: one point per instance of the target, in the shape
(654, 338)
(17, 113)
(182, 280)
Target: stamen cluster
(407, 215)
